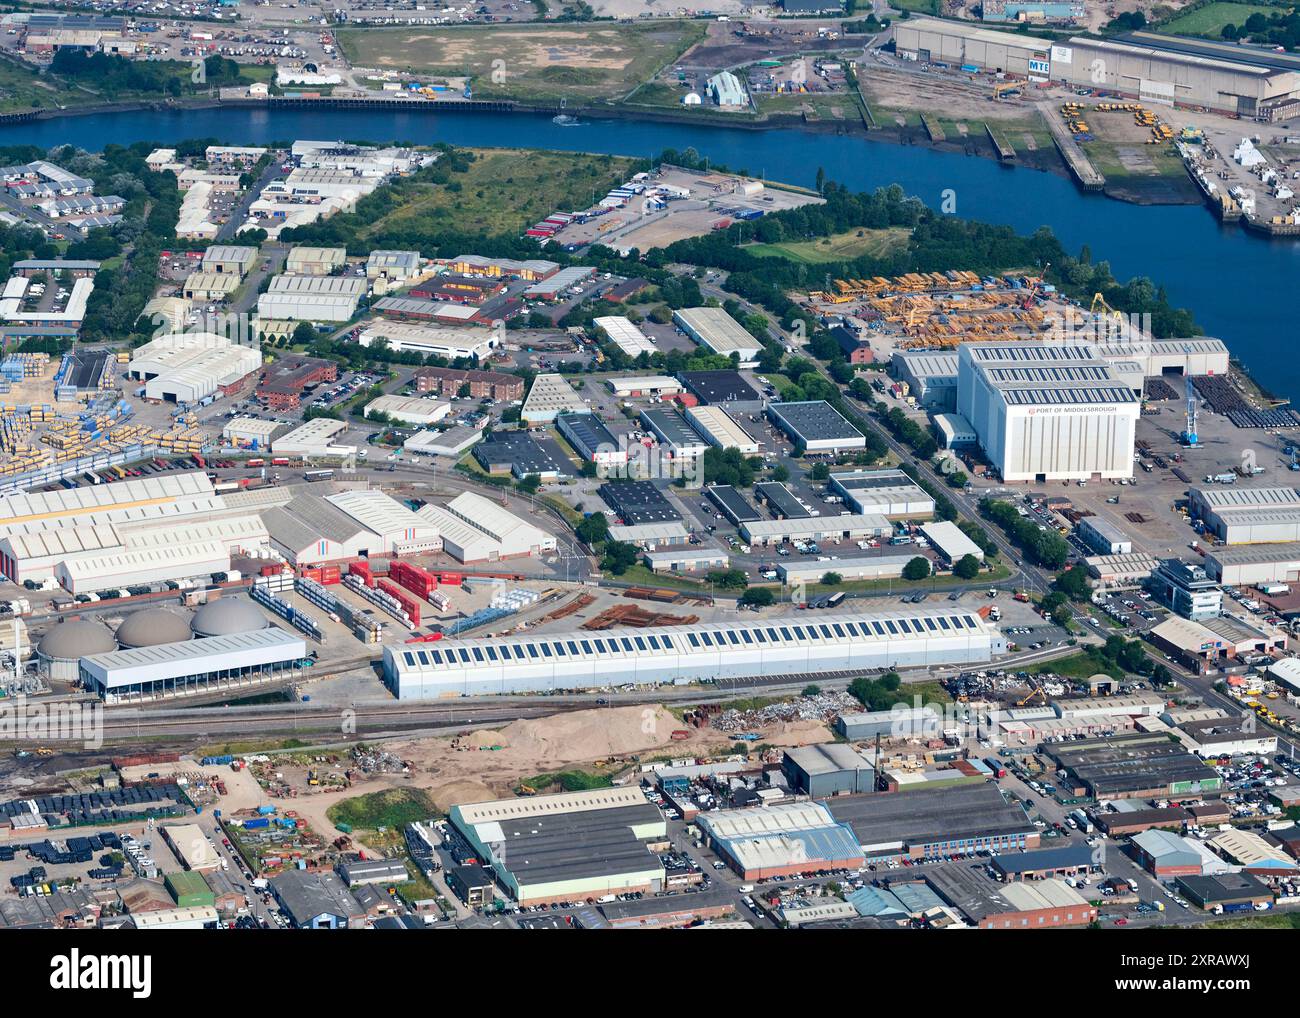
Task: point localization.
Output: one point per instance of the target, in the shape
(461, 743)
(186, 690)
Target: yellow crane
(1099, 306)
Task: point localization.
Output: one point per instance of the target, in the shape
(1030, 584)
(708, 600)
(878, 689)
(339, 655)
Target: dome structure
(60, 649)
(151, 627)
(226, 617)
(71, 640)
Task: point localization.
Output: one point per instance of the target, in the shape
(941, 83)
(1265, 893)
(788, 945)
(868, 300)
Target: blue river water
(1237, 285)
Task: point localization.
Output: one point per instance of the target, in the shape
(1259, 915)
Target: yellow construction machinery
(1099, 306)
(1001, 88)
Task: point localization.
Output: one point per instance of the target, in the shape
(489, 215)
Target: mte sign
(1040, 66)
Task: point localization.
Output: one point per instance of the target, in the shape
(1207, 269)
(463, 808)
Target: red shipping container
(362, 569)
(329, 575)
(451, 579)
(413, 578)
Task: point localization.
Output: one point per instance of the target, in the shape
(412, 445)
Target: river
(1235, 284)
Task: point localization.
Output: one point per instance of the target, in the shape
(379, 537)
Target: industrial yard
(434, 550)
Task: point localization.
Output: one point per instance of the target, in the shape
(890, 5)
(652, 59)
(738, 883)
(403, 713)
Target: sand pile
(591, 734)
(797, 733)
(484, 739)
(453, 793)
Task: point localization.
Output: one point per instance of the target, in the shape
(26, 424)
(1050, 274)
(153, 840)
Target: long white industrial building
(616, 657)
(1241, 515)
(185, 367)
(110, 535)
(476, 529)
(1047, 411)
(1221, 75)
(442, 341)
(170, 669)
(311, 298)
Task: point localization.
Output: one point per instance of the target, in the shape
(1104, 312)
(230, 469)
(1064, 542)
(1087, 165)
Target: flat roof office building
(816, 427)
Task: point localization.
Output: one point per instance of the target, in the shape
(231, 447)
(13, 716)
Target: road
(240, 213)
(1033, 578)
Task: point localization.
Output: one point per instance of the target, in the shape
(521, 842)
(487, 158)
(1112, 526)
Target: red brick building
(447, 382)
(460, 289)
(283, 381)
(857, 350)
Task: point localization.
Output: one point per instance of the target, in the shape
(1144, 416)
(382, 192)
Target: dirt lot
(468, 769)
(530, 62)
(949, 96)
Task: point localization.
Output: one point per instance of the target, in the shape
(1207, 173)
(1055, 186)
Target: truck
(1227, 477)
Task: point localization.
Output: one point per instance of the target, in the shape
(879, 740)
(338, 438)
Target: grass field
(1256, 921)
(1082, 665)
(391, 808)
(22, 89)
(837, 248)
(834, 108)
(568, 781)
(530, 61)
(1210, 20)
(505, 191)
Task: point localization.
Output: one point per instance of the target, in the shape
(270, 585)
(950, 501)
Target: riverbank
(1202, 264)
(1134, 190)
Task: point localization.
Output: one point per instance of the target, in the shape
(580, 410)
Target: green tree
(593, 529)
(876, 694)
(917, 568)
(729, 579)
(1073, 583)
(832, 579)
(619, 557)
(966, 568)
(759, 597)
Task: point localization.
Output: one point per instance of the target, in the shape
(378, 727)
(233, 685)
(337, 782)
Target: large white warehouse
(1240, 515)
(186, 367)
(476, 529)
(311, 298)
(441, 341)
(109, 535)
(717, 330)
(172, 669)
(1047, 411)
(351, 524)
(399, 529)
(582, 660)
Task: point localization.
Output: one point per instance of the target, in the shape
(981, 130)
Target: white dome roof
(71, 640)
(151, 627)
(227, 616)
